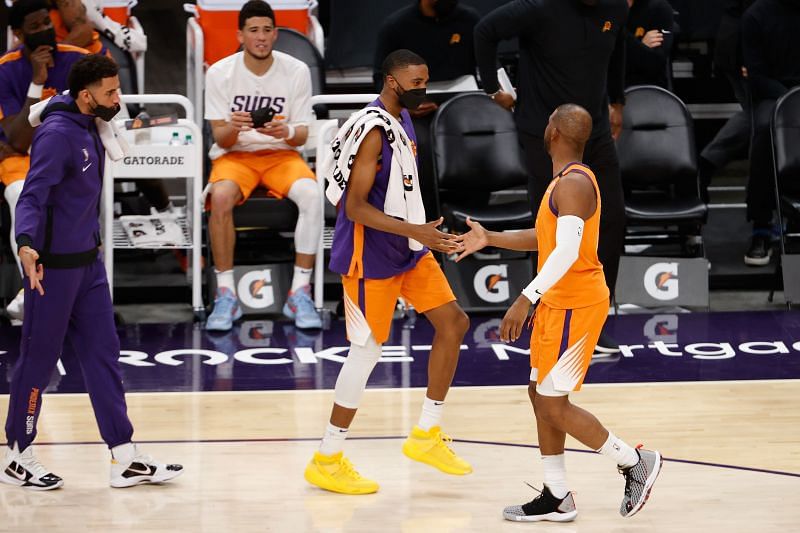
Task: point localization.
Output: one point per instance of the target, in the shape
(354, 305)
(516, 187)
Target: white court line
(468, 387)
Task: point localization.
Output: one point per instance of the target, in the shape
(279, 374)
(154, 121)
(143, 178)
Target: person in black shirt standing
(648, 41)
(571, 51)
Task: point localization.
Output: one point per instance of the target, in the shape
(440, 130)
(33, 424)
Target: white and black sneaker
(639, 480)
(130, 467)
(23, 470)
(545, 507)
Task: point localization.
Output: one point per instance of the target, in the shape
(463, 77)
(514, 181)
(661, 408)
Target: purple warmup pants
(76, 308)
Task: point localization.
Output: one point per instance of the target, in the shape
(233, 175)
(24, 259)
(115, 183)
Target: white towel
(157, 229)
(403, 195)
(116, 146)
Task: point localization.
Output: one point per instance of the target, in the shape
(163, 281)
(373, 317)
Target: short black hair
(88, 70)
(255, 8)
(400, 59)
(21, 9)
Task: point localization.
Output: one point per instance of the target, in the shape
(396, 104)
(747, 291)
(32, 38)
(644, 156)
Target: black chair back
(475, 146)
(786, 140)
(297, 45)
(656, 146)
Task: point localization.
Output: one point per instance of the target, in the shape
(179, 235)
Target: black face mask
(104, 112)
(411, 98)
(40, 38)
(444, 7)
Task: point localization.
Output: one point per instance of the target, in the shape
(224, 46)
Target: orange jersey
(583, 284)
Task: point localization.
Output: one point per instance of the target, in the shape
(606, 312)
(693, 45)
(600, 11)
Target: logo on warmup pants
(491, 283)
(255, 289)
(661, 281)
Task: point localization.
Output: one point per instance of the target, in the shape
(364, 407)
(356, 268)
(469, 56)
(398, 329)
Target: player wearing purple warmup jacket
(57, 230)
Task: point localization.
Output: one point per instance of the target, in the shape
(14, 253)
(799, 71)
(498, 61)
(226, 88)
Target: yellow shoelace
(348, 468)
(445, 439)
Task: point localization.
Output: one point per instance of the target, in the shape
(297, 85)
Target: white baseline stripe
(469, 387)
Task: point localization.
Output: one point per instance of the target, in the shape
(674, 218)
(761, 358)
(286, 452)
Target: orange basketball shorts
(562, 345)
(277, 170)
(370, 303)
(14, 168)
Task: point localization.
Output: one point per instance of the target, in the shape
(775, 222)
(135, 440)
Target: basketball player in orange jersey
(567, 323)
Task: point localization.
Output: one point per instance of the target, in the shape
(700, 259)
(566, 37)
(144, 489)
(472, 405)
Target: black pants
(600, 155)
(733, 138)
(761, 183)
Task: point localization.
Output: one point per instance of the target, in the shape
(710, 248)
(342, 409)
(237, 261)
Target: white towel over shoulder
(403, 196)
(115, 144)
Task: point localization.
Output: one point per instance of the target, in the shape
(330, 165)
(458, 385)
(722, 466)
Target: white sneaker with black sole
(639, 481)
(23, 470)
(545, 507)
(130, 467)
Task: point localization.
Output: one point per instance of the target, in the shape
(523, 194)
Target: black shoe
(606, 344)
(544, 507)
(760, 249)
(639, 480)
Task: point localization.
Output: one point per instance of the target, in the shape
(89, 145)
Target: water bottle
(176, 139)
(188, 140)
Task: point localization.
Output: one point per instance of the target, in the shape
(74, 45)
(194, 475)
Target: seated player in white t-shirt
(247, 154)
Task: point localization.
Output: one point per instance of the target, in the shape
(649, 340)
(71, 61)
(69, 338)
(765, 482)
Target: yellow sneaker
(336, 474)
(431, 447)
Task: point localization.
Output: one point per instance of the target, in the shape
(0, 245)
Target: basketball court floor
(718, 394)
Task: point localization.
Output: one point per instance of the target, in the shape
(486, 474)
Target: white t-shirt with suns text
(286, 88)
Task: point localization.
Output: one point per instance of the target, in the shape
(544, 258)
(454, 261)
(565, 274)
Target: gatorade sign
(663, 281)
(488, 284)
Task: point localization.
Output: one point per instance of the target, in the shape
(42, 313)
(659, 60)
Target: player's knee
(546, 409)
(305, 194)
(223, 200)
(460, 323)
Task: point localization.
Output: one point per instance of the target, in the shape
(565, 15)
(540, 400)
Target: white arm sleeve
(569, 230)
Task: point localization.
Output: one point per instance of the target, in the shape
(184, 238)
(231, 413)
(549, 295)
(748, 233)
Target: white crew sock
(333, 440)
(431, 414)
(555, 475)
(225, 279)
(302, 277)
(622, 454)
(124, 453)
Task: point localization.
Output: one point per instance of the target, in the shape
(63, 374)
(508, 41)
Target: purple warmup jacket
(58, 210)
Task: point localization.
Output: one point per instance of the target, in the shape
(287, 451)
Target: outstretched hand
(429, 236)
(472, 241)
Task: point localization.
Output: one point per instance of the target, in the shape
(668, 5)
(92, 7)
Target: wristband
(35, 91)
(291, 132)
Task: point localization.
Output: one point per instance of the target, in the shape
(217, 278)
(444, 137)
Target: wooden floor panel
(244, 482)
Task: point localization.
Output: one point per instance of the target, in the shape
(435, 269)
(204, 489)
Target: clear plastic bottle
(176, 139)
(188, 139)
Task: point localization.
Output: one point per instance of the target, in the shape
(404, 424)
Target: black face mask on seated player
(40, 38)
(411, 98)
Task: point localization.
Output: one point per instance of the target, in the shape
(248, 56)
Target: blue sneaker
(300, 307)
(226, 310)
